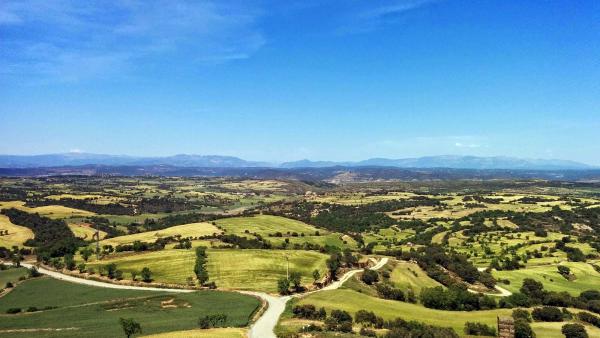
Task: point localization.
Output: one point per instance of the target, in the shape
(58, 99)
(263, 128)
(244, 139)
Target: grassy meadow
(94, 312)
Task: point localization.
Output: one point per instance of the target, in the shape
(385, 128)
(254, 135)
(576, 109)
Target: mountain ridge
(219, 161)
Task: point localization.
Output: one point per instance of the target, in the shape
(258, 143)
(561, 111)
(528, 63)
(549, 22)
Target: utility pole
(97, 242)
(287, 258)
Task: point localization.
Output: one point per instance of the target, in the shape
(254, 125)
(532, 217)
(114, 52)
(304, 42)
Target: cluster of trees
(343, 218)
(244, 242)
(532, 293)
(200, 265)
(456, 298)
(52, 238)
(309, 311)
(338, 259)
(294, 280)
(139, 246)
(340, 320)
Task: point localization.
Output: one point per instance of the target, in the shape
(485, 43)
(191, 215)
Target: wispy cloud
(371, 17)
(61, 40)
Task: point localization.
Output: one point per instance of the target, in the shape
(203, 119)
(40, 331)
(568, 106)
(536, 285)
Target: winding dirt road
(262, 328)
(265, 325)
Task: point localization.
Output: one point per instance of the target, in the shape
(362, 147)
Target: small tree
(574, 331)
(316, 275)
(134, 274)
(110, 270)
(146, 275)
(86, 253)
(130, 326)
(369, 276)
(70, 262)
(81, 267)
(283, 286)
(296, 279)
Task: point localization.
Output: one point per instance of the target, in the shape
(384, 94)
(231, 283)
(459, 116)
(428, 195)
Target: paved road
(72, 279)
(265, 325)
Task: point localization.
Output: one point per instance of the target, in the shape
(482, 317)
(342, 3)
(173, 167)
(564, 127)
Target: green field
(52, 211)
(586, 278)
(11, 275)
(250, 269)
(260, 269)
(353, 301)
(185, 230)
(167, 266)
(94, 312)
(407, 275)
(265, 225)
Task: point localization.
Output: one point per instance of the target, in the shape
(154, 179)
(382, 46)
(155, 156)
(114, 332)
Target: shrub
(308, 311)
(13, 310)
(369, 276)
(368, 318)
(146, 275)
(523, 329)
(367, 332)
(387, 291)
(479, 329)
(209, 321)
(574, 331)
(589, 318)
(521, 314)
(547, 314)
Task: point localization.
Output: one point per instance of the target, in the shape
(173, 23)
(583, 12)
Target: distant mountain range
(216, 161)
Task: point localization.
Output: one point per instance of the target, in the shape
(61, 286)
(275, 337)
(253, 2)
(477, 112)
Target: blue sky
(285, 80)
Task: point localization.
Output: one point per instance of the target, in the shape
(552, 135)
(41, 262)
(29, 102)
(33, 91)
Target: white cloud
(469, 145)
(74, 40)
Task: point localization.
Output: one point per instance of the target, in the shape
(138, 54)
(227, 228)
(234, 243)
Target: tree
(130, 326)
(316, 275)
(134, 274)
(110, 270)
(296, 280)
(70, 262)
(283, 286)
(369, 276)
(333, 264)
(86, 253)
(523, 329)
(574, 331)
(146, 275)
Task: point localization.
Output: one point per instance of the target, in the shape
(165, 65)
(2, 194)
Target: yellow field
(265, 225)
(185, 230)
(52, 211)
(209, 333)
(84, 231)
(410, 275)
(16, 233)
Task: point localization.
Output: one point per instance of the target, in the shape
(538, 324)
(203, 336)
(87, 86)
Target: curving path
(262, 328)
(503, 291)
(265, 325)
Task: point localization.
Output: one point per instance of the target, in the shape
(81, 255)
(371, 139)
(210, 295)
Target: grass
(586, 277)
(209, 333)
(265, 225)
(11, 275)
(17, 234)
(552, 330)
(407, 275)
(51, 211)
(229, 268)
(84, 231)
(260, 269)
(167, 266)
(185, 230)
(353, 301)
(94, 312)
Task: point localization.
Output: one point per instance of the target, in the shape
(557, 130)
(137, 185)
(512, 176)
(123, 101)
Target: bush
(589, 318)
(367, 332)
(368, 318)
(547, 314)
(523, 329)
(479, 329)
(369, 276)
(13, 310)
(387, 291)
(521, 314)
(209, 321)
(574, 331)
(146, 275)
(309, 311)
